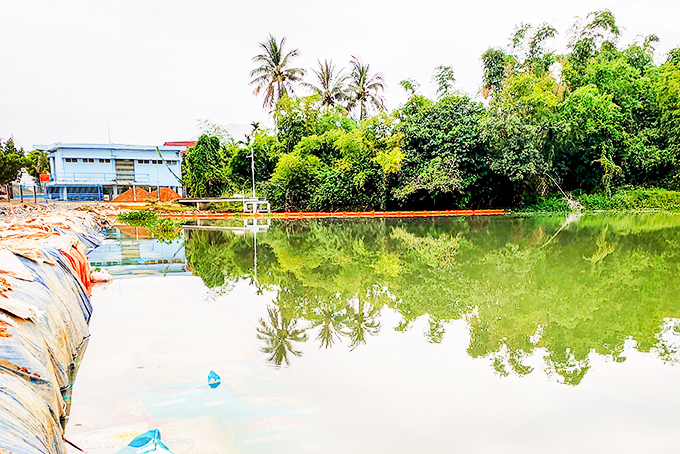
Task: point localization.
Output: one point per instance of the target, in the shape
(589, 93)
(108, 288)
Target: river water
(430, 335)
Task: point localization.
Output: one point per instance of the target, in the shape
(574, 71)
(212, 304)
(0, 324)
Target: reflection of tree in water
(279, 334)
(361, 321)
(329, 316)
(220, 258)
(598, 283)
(435, 332)
(565, 364)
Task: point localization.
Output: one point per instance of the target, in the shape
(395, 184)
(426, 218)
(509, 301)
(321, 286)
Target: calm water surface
(434, 335)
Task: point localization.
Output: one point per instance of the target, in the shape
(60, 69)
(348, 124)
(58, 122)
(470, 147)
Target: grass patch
(137, 218)
(229, 207)
(624, 200)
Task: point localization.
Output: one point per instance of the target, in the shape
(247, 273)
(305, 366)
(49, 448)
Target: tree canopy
(596, 117)
(12, 161)
(274, 77)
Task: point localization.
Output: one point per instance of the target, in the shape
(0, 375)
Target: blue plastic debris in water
(214, 380)
(148, 442)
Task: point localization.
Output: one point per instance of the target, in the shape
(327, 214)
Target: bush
(624, 200)
(140, 218)
(164, 229)
(294, 179)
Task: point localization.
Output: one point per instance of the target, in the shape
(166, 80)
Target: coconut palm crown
(273, 76)
(365, 88)
(329, 84)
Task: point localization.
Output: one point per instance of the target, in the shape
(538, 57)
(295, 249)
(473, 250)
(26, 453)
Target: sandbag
(45, 284)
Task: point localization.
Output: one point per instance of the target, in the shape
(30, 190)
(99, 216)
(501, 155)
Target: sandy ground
(10, 211)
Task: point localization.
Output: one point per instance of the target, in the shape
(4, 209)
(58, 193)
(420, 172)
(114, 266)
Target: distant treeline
(597, 118)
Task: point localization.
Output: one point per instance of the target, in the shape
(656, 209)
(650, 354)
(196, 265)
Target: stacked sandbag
(44, 314)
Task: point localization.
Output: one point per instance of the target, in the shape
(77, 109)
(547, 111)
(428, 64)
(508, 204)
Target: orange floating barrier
(337, 214)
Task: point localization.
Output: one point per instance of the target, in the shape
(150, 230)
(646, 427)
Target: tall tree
(12, 160)
(274, 76)
(37, 163)
(329, 84)
(205, 168)
(365, 88)
(674, 56)
(444, 80)
(601, 33)
(495, 62)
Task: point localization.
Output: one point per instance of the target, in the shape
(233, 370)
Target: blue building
(102, 171)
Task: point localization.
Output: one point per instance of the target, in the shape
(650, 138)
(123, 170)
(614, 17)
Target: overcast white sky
(152, 68)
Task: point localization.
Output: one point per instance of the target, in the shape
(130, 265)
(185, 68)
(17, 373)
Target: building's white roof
(106, 146)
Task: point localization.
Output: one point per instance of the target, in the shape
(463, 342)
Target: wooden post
(35, 196)
(21, 193)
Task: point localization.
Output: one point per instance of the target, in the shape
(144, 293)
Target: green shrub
(623, 200)
(164, 229)
(137, 217)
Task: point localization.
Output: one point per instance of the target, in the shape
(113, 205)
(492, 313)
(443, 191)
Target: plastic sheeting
(148, 442)
(44, 313)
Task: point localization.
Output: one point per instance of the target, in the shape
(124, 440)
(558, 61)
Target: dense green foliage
(37, 163)
(524, 285)
(205, 171)
(595, 118)
(12, 160)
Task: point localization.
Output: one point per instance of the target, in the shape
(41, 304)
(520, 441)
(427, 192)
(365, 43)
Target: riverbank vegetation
(164, 229)
(624, 199)
(593, 118)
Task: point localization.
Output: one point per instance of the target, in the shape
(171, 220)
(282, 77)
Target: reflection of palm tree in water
(279, 333)
(330, 321)
(361, 320)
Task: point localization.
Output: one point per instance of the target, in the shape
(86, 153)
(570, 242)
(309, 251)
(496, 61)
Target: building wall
(71, 164)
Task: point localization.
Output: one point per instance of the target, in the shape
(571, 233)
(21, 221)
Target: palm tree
(274, 76)
(279, 335)
(330, 86)
(365, 88)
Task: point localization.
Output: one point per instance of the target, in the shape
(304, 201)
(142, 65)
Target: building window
(88, 160)
(105, 161)
(171, 163)
(70, 159)
(143, 161)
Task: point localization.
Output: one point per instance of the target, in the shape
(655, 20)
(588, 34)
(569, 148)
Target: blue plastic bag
(214, 380)
(148, 442)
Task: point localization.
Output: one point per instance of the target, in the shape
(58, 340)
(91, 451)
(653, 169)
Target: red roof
(187, 144)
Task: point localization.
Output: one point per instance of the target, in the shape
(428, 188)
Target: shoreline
(45, 289)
